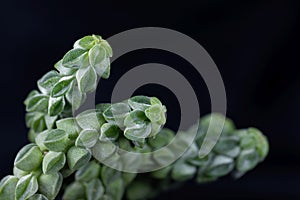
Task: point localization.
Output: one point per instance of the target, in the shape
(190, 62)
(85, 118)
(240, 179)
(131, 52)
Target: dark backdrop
(255, 45)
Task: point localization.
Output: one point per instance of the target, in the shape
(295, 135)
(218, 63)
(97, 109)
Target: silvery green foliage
(65, 88)
(63, 145)
(58, 152)
(229, 156)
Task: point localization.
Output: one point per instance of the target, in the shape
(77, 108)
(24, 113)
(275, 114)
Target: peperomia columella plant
(63, 145)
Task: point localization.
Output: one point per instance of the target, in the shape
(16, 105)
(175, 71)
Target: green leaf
(46, 83)
(99, 60)
(40, 139)
(107, 47)
(139, 102)
(109, 174)
(87, 138)
(29, 158)
(103, 150)
(128, 177)
(64, 70)
(26, 187)
(183, 171)
(115, 189)
(53, 162)
(50, 184)
(162, 173)
(30, 95)
(220, 166)
(164, 137)
(164, 156)
(19, 173)
(87, 79)
(138, 133)
(38, 197)
(77, 157)
(56, 140)
(7, 187)
(37, 102)
(69, 125)
(262, 145)
(85, 43)
(139, 190)
(75, 97)
(56, 106)
(94, 189)
(90, 119)
(50, 121)
(109, 132)
(247, 160)
(88, 172)
(74, 191)
(155, 113)
(62, 86)
(116, 114)
(224, 145)
(135, 118)
(74, 58)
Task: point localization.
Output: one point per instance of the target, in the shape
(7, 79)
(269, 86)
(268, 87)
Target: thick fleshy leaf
(115, 189)
(138, 133)
(7, 187)
(262, 145)
(50, 121)
(85, 43)
(30, 95)
(74, 58)
(62, 86)
(88, 172)
(53, 162)
(29, 158)
(37, 102)
(50, 184)
(162, 173)
(109, 132)
(99, 60)
(139, 102)
(66, 71)
(87, 138)
(46, 83)
(103, 150)
(220, 166)
(107, 47)
(38, 197)
(87, 79)
(19, 173)
(56, 140)
(139, 190)
(164, 137)
(135, 118)
(77, 157)
(56, 106)
(75, 97)
(224, 145)
(164, 156)
(116, 113)
(90, 119)
(74, 191)
(69, 126)
(128, 177)
(26, 187)
(183, 171)
(247, 160)
(94, 189)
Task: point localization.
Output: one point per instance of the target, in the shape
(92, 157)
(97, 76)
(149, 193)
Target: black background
(255, 45)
